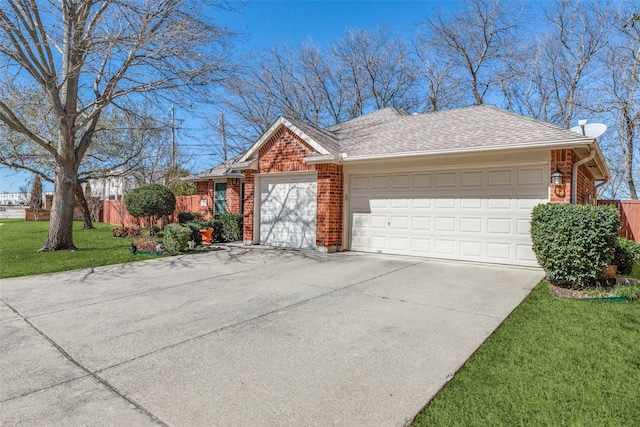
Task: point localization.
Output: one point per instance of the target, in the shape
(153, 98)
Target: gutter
(574, 174)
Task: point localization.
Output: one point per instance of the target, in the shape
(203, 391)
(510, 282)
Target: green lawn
(20, 241)
(553, 362)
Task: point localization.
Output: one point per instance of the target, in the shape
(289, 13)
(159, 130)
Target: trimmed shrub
(216, 225)
(184, 217)
(195, 227)
(625, 254)
(126, 232)
(152, 201)
(231, 227)
(574, 243)
(176, 237)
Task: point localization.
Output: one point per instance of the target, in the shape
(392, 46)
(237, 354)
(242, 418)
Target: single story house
(457, 184)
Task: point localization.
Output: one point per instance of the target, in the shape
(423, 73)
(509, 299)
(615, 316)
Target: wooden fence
(114, 211)
(630, 216)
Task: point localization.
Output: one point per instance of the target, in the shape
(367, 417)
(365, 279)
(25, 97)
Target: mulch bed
(559, 292)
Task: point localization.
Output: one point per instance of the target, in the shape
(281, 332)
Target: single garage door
(475, 215)
(288, 211)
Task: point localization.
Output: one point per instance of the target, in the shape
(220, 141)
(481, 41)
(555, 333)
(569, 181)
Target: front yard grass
(20, 241)
(553, 362)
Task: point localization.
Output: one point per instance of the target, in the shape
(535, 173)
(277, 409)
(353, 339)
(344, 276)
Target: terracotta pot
(206, 235)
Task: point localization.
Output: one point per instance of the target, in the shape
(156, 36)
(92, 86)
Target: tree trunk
(61, 226)
(84, 208)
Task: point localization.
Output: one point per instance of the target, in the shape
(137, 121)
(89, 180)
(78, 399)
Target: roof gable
(321, 141)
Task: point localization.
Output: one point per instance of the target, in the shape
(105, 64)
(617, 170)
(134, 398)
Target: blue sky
(268, 23)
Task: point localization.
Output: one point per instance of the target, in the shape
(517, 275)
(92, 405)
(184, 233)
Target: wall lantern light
(556, 178)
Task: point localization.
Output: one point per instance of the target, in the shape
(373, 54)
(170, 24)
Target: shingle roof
(390, 131)
(322, 136)
(224, 169)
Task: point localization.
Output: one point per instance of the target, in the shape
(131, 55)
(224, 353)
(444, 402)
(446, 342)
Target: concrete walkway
(245, 336)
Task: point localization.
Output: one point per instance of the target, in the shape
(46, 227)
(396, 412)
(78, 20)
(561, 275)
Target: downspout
(574, 174)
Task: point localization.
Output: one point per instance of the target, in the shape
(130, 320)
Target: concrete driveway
(245, 336)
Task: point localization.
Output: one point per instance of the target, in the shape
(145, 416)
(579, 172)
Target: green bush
(574, 243)
(176, 237)
(184, 217)
(152, 201)
(625, 254)
(216, 225)
(231, 227)
(195, 227)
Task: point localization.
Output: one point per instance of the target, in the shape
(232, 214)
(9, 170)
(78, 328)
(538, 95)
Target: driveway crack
(101, 380)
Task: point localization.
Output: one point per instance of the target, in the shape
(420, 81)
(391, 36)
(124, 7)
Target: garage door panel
(446, 179)
(472, 179)
(444, 247)
(421, 180)
(420, 246)
(499, 226)
(533, 176)
(400, 181)
(477, 215)
(471, 225)
(444, 224)
(288, 211)
(421, 203)
(470, 202)
(471, 249)
(420, 223)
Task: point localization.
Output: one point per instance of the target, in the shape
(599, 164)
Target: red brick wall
(284, 152)
(233, 195)
(330, 205)
(586, 185)
(564, 160)
(249, 181)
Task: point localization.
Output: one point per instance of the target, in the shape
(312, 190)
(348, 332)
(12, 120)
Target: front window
(220, 198)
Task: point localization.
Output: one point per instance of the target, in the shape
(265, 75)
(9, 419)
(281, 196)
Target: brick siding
(249, 181)
(234, 189)
(564, 160)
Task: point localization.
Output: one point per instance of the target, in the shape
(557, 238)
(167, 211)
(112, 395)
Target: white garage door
(476, 215)
(288, 211)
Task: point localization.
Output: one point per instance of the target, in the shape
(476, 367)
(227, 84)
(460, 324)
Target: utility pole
(223, 136)
(173, 137)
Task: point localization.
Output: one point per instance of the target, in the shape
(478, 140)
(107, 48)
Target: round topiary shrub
(574, 243)
(150, 201)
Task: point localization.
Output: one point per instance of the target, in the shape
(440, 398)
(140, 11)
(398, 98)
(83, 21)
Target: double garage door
(477, 215)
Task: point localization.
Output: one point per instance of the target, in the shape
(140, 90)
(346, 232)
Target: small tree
(152, 201)
(35, 198)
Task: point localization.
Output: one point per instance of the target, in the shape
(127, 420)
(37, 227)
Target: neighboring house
(456, 184)
(221, 189)
(112, 188)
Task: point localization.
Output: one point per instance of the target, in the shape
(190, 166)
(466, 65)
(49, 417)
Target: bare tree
(82, 56)
(619, 95)
(361, 72)
(479, 40)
